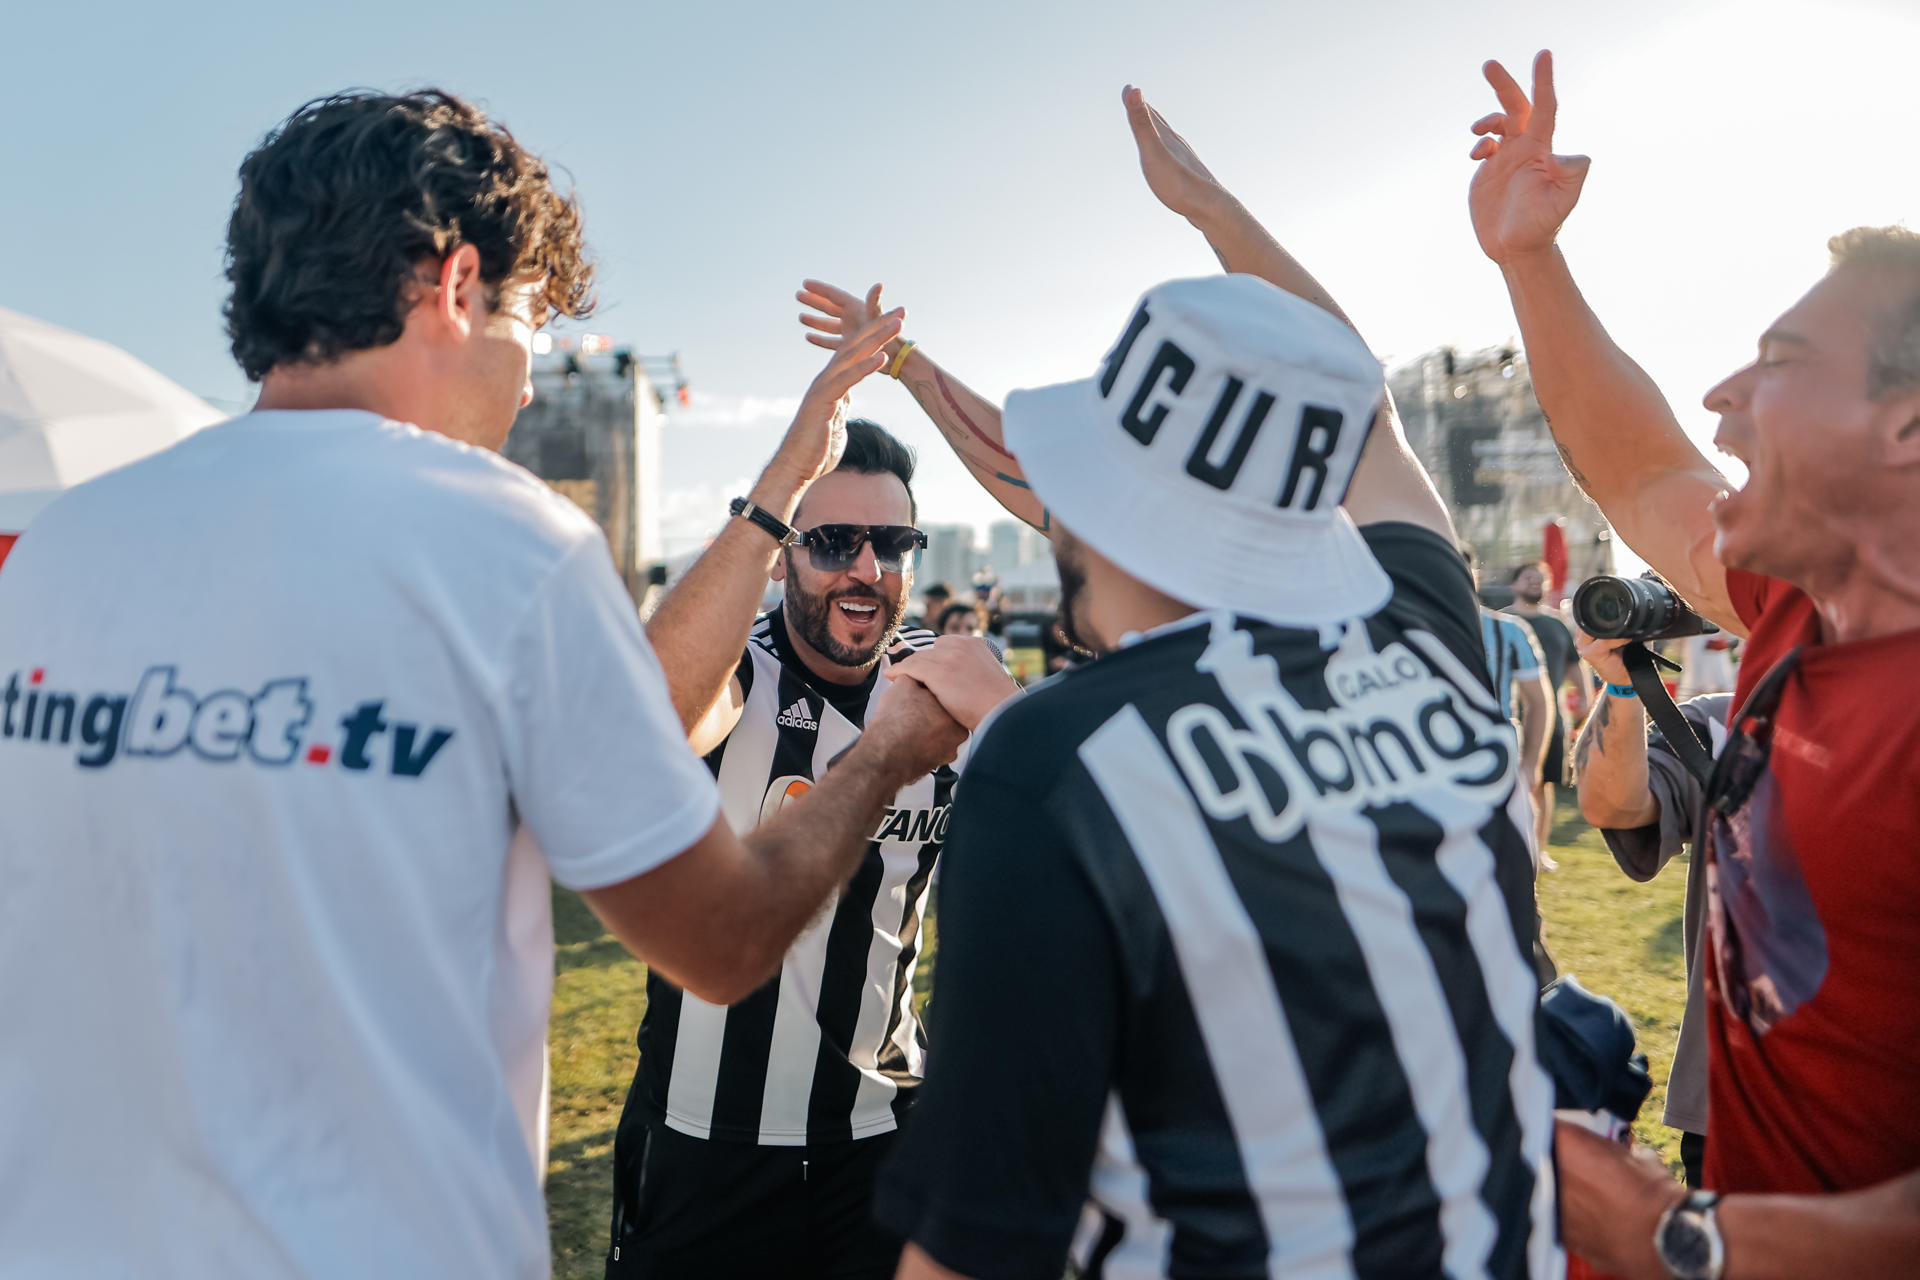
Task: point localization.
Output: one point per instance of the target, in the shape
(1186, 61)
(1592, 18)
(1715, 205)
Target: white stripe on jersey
(1119, 1185)
(1407, 984)
(746, 772)
(796, 1026)
(1513, 993)
(1224, 967)
(1512, 988)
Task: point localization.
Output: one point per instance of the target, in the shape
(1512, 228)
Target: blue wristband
(1622, 691)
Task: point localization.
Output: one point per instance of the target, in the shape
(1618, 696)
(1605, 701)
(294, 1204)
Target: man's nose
(865, 567)
(1731, 393)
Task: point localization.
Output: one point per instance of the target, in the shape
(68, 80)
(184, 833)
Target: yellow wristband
(899, 361)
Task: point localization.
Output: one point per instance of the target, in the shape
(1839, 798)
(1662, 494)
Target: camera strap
(1693, 747)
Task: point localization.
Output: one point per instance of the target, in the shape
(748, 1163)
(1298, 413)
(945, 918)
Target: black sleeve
(1432, 588)
(992, 1172)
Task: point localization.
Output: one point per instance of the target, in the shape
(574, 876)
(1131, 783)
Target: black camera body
(1645, 608)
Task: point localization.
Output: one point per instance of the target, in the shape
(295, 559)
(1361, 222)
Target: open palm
(1522, 191)
(818, 436)
(1172, 169)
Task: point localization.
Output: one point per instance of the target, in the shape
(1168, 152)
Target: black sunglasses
(1772, 956)
(832, 548)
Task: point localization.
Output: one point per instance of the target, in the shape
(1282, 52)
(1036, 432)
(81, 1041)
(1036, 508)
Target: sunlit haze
(976, 159)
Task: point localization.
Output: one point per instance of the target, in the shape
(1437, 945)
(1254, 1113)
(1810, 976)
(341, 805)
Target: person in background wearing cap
(1233, 976)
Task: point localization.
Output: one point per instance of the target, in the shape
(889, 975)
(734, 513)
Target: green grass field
(1621, 938)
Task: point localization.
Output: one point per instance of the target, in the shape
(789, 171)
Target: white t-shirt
(294, 719)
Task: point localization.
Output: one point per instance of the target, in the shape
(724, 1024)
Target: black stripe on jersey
(660, 1027)
(1112, 1232)
(843, 984)
(1375, 1140)
(1441, 920)
(913, 638)
(843, 981)
(1374, 1136)
(1227, 1236)
(1513, 870)
(892, 1060)
(747, 1044)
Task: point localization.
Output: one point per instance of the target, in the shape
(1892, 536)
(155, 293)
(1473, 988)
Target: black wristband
(784, 534)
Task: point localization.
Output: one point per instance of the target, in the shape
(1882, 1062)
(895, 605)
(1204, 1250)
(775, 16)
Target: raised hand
(1522, 191)
(839, 313)
(818, 436)
(1173, 172)
(963, 673)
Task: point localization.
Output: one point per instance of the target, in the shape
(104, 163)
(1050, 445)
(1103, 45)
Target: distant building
(1011, 544)
(1473, 420)
(949, 557)
(593, 433)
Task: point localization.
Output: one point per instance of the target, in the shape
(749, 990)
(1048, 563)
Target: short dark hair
(954, 611)
(940, 589)
(872, 450)
(1894, 364)
(345, 199)
(1524, 565)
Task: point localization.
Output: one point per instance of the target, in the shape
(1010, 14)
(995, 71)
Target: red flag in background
(6, 545)
(1553, 549)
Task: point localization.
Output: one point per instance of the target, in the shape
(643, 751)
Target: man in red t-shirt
(1813, 826)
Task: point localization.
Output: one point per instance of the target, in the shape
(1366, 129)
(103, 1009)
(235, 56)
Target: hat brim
(1213, 552)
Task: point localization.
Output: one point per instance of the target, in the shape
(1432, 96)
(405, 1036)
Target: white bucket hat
(1209, 456)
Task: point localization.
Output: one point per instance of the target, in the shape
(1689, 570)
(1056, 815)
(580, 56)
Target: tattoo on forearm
(1594, 739)
(960, 414)
(1566, 460)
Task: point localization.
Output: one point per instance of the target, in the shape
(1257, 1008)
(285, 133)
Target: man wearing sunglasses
(751, 1136)
(1813, 810)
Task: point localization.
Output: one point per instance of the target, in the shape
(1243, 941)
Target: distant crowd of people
(1240, 963)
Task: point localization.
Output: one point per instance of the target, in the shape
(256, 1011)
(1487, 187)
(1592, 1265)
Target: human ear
(1902, 431)
(780, 565)
(462, 301)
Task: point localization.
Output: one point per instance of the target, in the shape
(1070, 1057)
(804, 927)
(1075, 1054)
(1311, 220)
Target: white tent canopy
(72, 407)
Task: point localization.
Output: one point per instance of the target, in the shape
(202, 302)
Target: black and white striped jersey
(831, 1048)
(1233, 974)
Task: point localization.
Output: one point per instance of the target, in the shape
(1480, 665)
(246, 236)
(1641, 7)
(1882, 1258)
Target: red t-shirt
(1815, 1084)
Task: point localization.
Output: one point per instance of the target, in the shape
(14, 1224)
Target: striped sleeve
(1526, 663)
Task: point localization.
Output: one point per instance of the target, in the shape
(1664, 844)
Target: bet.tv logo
(160, 718)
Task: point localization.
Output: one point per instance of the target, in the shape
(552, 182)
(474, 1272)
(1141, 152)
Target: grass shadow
(1669, 941)
(573, 919)
(597, 954)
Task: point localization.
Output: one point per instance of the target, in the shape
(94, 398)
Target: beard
(1528, 595)
(1073, 589)
(811, 618)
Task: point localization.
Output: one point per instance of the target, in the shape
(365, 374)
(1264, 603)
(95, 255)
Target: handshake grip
(910, 733)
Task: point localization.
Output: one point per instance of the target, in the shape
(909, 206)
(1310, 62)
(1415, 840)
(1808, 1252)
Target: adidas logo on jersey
(797, 716)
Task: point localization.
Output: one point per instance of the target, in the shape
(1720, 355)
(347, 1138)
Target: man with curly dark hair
(361, 206)
(298, 717)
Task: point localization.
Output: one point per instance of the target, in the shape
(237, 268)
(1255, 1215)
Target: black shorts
(687, 1208)
(1554, 768)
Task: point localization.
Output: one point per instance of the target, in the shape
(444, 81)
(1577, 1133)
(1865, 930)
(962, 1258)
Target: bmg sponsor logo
(161, 718)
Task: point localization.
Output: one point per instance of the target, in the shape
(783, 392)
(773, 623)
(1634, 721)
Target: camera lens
(1604, 607)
